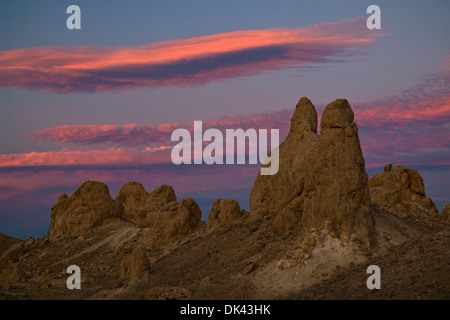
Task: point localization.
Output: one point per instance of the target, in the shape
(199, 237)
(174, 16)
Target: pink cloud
(138, 134)
(428, 100)
(179, 63)
(90, 157)
(129, 134)
(412, 126)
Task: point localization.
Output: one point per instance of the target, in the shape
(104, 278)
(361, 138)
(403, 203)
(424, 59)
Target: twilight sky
(101, 103)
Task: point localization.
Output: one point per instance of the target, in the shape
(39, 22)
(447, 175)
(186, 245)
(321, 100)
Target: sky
(100, 103)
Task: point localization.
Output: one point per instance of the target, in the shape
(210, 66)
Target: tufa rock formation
(322, 183)
(401, 191)
(445, 213)
(138, 203)
(224, 212)
(133, 196)
(159, 209)
(90, 206)
(174, 219)
(150, 246)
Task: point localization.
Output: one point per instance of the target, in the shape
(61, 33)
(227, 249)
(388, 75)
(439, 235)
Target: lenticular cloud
(181, 63)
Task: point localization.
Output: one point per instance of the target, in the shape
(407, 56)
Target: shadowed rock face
(90, 206)
(321, 183)
(401, 191)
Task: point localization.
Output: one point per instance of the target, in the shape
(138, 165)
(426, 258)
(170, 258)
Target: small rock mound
(321, 183)
(401, 191)
(224, 212)
(90, 206)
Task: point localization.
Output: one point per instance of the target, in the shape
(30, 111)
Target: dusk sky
(100, 103)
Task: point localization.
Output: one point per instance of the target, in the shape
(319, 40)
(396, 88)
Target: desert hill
(312, 231)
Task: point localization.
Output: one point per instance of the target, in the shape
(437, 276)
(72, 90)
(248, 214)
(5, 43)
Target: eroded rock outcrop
(401, 191)
(321, 183)
(224, 212)
(135, 266)
(12, 254)
(90, 206)
(445, 213)
(138, 203)
(173, 219)
(159, 209)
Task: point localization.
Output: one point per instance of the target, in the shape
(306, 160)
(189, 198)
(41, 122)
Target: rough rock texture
(319, 195)
(12, 276)
(90, 206)
(401, 191)
(224, 212)
(162, 196)
(135, 266)
(173, 219)
(445, 213)
(159, 209)
(133, 197)
(168, 293)
(192, 207)
(321, 183)
(12, 254)
(138, 203)
(7, 242)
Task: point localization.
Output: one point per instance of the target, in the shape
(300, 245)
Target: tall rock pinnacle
(321, 183)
